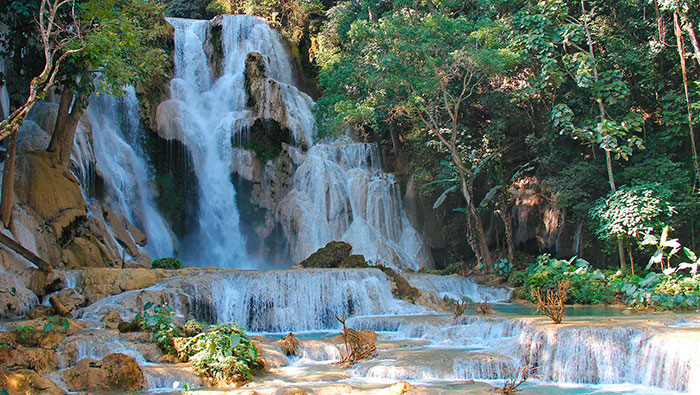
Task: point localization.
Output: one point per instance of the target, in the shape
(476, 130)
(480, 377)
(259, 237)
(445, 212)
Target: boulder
(40, 360)
(71, 299)
(115, 372)
(28, 382)
(399, 388)
(86, 251)
(44, 114)
(112, 320)
(40, 311)
(332, 255)
(32, 137)
(15, 298)
(43, 283)
(98, 283)
(354, 261)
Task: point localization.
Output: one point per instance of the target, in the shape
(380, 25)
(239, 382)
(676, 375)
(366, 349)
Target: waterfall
(339, 191)
(111, 145)
(121, 159)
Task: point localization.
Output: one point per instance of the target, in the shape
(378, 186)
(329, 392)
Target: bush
(223, 353)
(166, 263)
(160, 323)
(587, 285)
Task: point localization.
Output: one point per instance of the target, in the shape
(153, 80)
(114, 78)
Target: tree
(631, 212)
(59, 37)
(426, 69)
(124, 43)
(570, 40)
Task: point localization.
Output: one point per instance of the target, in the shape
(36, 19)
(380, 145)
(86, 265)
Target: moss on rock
(332, 255)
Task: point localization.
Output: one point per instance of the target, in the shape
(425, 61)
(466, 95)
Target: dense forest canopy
(595, 99)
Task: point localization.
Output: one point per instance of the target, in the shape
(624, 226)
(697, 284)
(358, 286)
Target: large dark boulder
(332, 255)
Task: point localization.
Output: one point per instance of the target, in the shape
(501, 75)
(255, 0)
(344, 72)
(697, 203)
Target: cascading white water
(267, 301)
(339, 190)
(457, 287)
(340, 193)
(120, 158)
(211, 113)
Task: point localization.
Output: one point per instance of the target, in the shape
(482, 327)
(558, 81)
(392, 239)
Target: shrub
(223, 353)
(160, 323)
(587, 285)
(166, 263)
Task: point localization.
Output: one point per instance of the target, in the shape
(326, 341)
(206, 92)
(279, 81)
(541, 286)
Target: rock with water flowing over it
(115, 372)
(71, 299)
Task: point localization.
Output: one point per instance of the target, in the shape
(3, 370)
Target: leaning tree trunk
(679, 41)
(66, 123)
(8, 180)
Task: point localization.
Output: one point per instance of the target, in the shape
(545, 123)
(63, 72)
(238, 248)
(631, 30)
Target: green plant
(26, 331)
(587, 285)
(166, 263)
(160, 323)
(224, 354)
(52, 321)
(503, 267)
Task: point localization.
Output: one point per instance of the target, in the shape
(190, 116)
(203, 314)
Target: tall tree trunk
(473, 215)
(8, 180)
(394, 140)
(688, 24)
(505, 215)
(601, 110)
(679, 41)
(64, 131)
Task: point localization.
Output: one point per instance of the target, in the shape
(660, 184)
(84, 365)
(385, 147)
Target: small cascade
(340, 193)
(457, 287)
(267, 301)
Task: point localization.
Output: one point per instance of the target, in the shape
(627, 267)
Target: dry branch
(358, 345)
(551, 303)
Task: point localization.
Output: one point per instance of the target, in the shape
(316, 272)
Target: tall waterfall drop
(338, 191)
(115, 149)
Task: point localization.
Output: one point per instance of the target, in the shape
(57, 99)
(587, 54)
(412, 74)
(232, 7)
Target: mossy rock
(404, 289)
(354, 262)
(330, 256)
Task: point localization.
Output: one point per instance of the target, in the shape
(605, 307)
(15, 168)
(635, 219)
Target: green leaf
(234, 340)
(443, 196)
(147, 306)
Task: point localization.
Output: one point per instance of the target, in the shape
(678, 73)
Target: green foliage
(223, 353)
(166, 263)
(53, 322)
(159, 321)
(503, 267)
(633, 211)
(587, 285)
(292, 16)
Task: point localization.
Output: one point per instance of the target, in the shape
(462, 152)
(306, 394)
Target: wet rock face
(115, 372)
(98, 283)
(40, 360)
